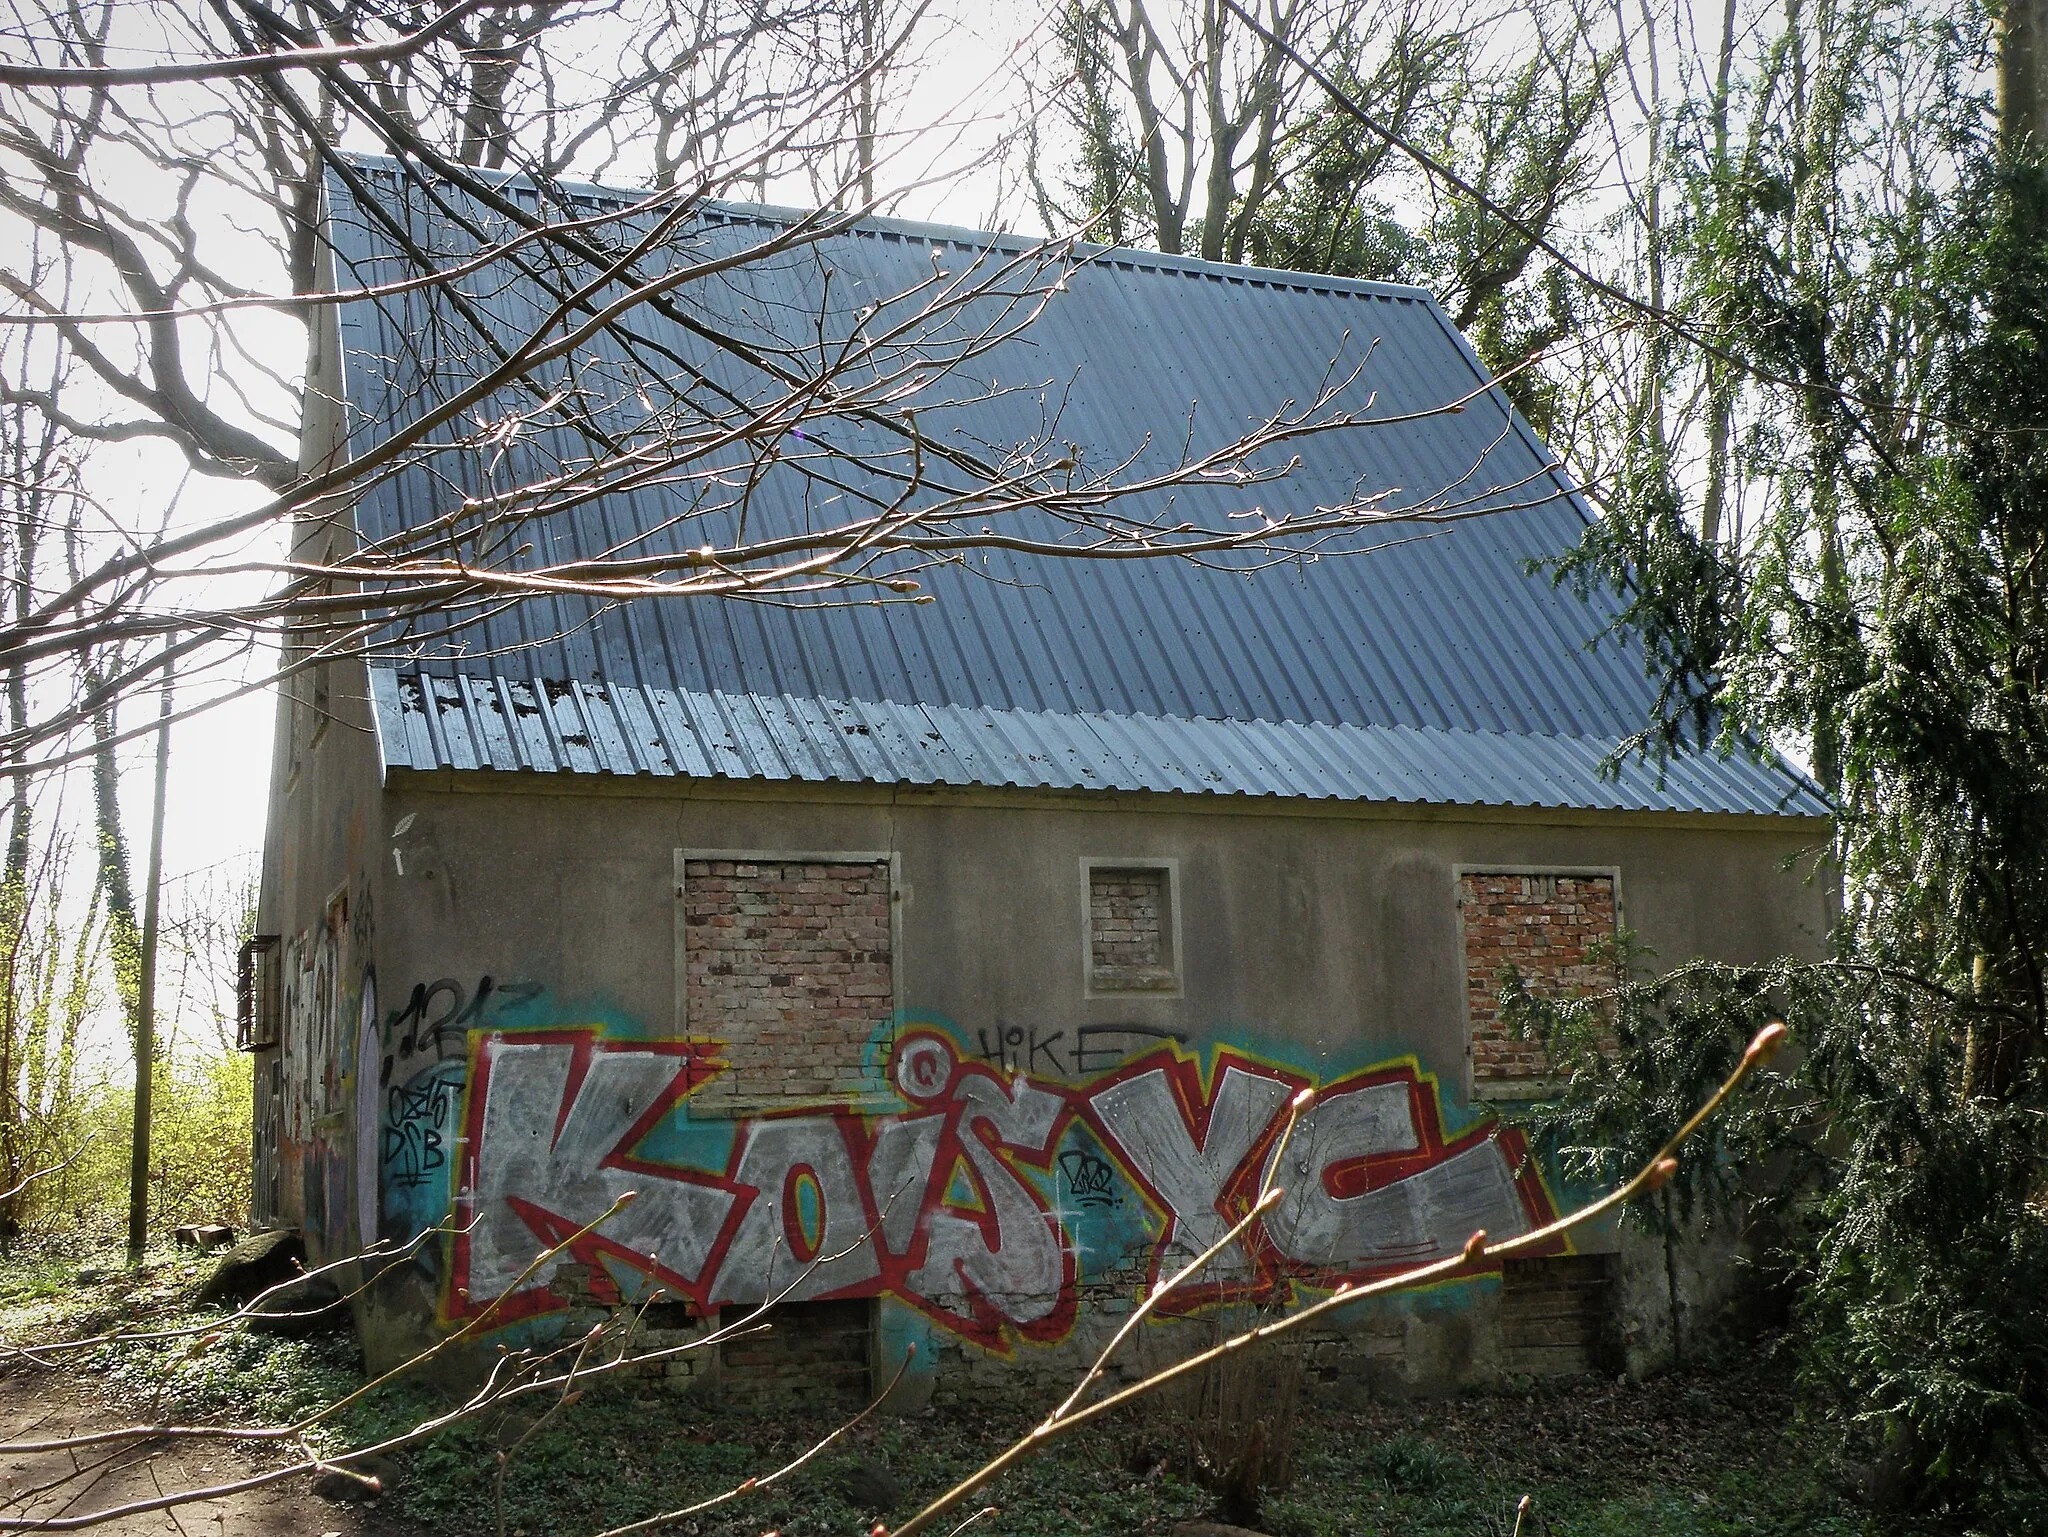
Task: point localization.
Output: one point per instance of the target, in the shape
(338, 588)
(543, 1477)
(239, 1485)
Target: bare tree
(1181, 116)
(1209, 127)
(183, 204)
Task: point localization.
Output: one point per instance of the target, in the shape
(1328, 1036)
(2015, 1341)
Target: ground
(1707, 1452)
(43, 1300)
(44, 1405)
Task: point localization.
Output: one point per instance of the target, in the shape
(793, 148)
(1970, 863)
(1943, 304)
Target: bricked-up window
(1547, 927)
(1554, 1314)
(790, 962)
(1131, 929)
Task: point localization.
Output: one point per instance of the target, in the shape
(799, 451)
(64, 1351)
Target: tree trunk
(112, 841)
(868, 107)
(1720, 378)
(2023, 78)
(145, 995)
(1671, 1279)
(1133, 32)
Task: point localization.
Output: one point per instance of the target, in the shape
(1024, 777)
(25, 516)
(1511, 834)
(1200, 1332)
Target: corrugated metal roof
(1405, 662)
(466, 721)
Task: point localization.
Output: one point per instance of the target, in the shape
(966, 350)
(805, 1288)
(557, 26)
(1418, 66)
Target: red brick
(797, 991)
(1545, 926)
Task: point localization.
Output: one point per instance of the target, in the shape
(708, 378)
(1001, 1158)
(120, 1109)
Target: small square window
(1133, 927)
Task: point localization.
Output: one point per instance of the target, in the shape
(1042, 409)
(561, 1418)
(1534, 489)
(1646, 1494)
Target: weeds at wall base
(1704, 1453)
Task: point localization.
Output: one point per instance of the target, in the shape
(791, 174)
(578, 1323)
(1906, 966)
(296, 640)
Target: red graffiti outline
(1356, 1176)
(985, 1324)
(1192, 1079)
(1194, 1085)
(551, 1228)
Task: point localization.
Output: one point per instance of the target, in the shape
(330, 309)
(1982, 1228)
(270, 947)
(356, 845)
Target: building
(950, 967)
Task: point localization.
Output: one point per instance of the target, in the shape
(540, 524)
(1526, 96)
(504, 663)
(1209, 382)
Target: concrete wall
(315, 1115)
(1032, 1149)
(311, 1104)
(1322, 929)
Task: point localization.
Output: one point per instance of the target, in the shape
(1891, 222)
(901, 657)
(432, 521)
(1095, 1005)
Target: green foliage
(1412, 1465)
(1514, 127)
(1906, 1209)
(1688, 1457)
(65, 1103)
(257, 1378)
(200, 1141)
(1101, 188)
(1675, 589)
(199, 1157)
(1704, 1453)
(1633, 1065)
(1301, 183)
(1863, 573)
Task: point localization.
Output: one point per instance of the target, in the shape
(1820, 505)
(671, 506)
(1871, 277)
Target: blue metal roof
(1404, 662)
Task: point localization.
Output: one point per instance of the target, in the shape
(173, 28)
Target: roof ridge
(964, 237)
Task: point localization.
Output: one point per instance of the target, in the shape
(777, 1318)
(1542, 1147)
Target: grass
(1698, 1454)
(196, 1373)
(1703, 1453)
(43, 1298)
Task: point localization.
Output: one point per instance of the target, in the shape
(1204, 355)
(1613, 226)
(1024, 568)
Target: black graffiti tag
(1014, 1048)
(1088, 1177)
(433, 1024)
(416, 1138)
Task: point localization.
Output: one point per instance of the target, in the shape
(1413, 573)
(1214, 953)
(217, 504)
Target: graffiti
(415, 1094)
(561, 1114)
(368, 1140)
(316, 962)
(1089, 1178)
(1145, 1116)
(301, 1127)
(419, 1127)
(1060, 1053)
(985, 1201)
(267, 1206)
(433, 1024)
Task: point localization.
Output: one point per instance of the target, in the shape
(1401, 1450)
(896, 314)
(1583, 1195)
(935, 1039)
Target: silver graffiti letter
(1022, 1274)
(523, 1156)
(1425, 1216)
(1150, 1130)
(761, 1261)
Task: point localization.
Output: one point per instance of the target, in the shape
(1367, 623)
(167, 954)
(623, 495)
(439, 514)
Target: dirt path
(47, 1406)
